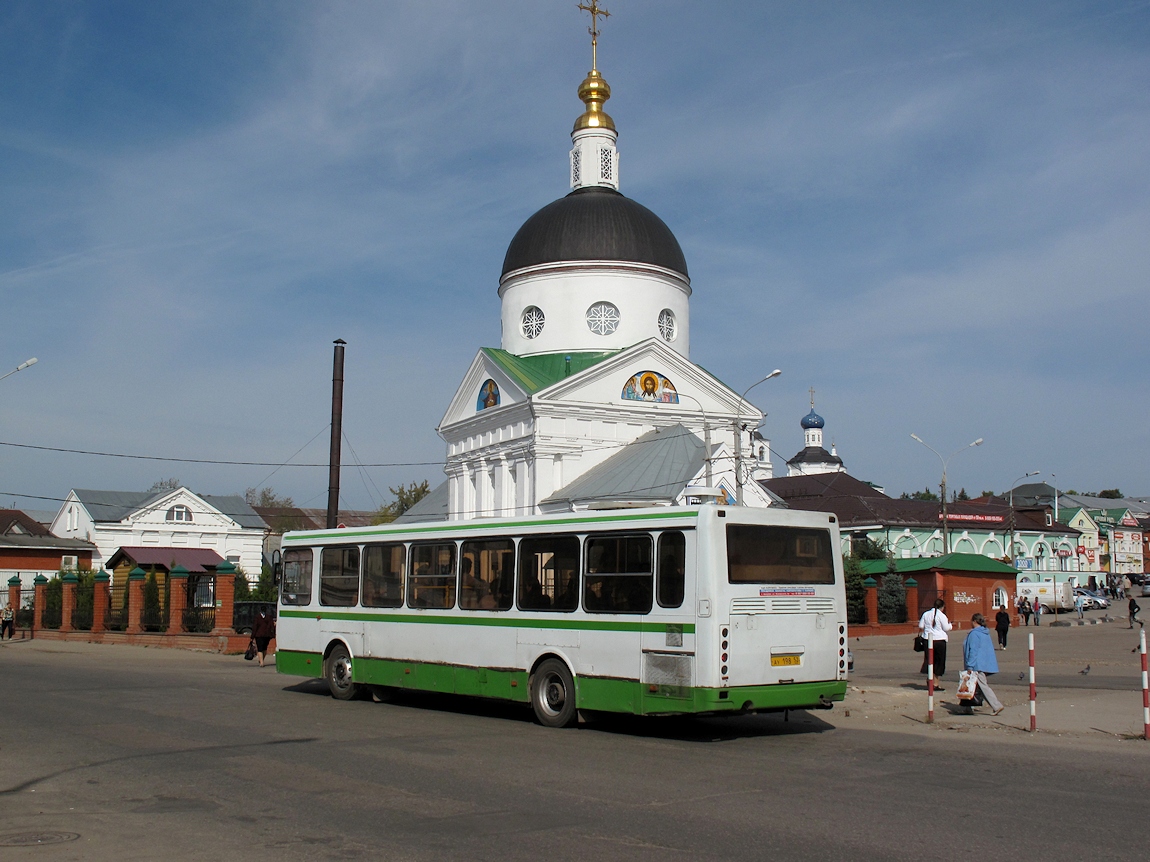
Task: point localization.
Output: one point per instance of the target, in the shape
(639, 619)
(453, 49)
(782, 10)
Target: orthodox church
(591, 400)
(814, 459)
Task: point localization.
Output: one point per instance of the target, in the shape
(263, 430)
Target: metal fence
(199, 620)
(154, 619)
(52, 618)
(26, 610)
(117, 619)
(82, 613)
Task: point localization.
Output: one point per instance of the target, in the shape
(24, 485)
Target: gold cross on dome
(596, 10)
(812, 398)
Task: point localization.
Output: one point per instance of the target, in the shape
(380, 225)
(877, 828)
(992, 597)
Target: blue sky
(935, 215)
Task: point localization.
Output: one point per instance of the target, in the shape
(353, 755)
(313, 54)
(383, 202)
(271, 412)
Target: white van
(1049, 593)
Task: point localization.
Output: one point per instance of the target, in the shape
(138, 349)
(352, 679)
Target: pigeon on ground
(1022, 676)
(1085, 670)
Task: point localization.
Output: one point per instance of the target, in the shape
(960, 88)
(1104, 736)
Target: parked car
(1094, 600)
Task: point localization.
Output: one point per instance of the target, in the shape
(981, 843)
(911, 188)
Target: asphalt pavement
(128, 753)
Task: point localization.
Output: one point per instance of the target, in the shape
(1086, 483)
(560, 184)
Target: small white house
(169, 518)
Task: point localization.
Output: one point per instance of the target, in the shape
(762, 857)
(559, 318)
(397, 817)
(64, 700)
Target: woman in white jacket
(934, 624)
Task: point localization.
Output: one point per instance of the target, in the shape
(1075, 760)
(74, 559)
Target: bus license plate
(784, 660)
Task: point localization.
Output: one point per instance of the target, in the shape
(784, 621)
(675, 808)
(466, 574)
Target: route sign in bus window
(383, 576)
(619, 575)
(486, 575)
(432, 581)
(672, 565)
(549, 573)
(778, 555)
(297, 577)
(339, 577)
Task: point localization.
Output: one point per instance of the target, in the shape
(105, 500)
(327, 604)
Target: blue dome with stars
(812, 420)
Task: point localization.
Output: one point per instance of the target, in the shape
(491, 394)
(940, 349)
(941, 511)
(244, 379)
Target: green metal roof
(949, 562)
(538, 372)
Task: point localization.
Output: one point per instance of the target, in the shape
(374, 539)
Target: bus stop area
(1089, 685)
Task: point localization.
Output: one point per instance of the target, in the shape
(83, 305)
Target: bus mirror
(277, 567)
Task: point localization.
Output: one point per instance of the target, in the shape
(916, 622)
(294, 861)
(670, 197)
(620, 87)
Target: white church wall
(565, 293)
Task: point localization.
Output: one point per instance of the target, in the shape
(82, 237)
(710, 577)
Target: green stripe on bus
(605, 625)
(592, 693)
(459, 526)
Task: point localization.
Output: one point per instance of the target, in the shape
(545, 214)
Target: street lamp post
(945, 461)
(1012, 487)
(20, 367)
(706, 436)
(739, 436)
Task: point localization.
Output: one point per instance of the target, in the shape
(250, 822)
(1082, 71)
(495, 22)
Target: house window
(179, 513)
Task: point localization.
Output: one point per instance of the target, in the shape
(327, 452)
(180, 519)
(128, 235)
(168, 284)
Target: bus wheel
(553, 695)
(337, 672)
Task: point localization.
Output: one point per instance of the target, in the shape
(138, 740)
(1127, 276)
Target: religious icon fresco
(650, 386)
(488, 395)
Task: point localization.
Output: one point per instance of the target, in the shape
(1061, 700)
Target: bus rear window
(778, 555)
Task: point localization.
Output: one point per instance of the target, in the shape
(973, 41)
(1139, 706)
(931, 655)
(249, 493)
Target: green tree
(243, 590)
(267, 498)
(868, 549)
(891, 596)
(265, 590)
(165, 484)
(856, 592)
(406, 496)
(1110, 494)
(151, 598)
(924, 494)
(962, 495)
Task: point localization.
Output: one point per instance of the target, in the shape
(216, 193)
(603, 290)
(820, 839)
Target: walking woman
(935, 624)
(1002, 625)
(1024, 609)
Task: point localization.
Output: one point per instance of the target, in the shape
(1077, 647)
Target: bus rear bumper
(769, 698)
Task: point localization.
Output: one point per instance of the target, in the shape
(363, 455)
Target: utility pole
(336, 435)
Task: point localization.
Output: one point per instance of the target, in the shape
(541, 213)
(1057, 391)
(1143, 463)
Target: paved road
(160, 754)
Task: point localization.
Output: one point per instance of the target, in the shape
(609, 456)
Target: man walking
(978, 657)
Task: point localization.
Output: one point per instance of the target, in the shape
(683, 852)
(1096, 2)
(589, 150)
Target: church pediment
(486, 386)
(649, 376)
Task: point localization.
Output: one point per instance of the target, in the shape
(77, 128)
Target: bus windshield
(778, 555)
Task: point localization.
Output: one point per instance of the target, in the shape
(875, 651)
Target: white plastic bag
(967, 685)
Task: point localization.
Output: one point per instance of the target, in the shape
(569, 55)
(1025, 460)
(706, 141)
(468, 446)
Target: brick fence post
(100, 601)
(14, 593)
(225, 598)
(69, 601)
(177, 598)
(41, 596)
(871, 602)
(135, 601)
(912, 613)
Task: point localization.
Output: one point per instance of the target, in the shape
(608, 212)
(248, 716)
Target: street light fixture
(21, 367)
(739, 436)
(945, 461)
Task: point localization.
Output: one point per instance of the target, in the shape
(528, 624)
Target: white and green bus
(700, 609)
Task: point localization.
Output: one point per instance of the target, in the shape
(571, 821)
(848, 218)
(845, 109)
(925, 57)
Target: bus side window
(486, 572)
(432, 581)
(383, 576)
(339, 576)
(297, 577)
(549, 573)
(618, 577)
(672, 566)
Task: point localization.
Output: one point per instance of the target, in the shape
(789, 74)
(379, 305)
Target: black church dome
(594, 223)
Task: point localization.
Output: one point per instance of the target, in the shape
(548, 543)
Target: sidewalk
(1103, 704)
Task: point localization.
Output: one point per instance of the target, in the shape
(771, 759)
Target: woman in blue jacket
(978, 656)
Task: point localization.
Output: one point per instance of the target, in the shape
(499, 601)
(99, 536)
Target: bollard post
(930, 679)
(1145, 687)
(1033, 691)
